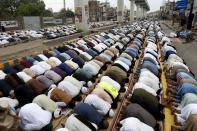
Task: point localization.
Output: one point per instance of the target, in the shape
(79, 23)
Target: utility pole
(64, 2)
(106, 10)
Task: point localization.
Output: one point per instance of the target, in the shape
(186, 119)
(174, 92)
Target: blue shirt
(56, 51)
(186, 76)
(125, 60)
(89, 113)
(132, 51)
(148, 62)
(186, 88)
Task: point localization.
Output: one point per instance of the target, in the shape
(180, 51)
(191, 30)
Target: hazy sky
(57, 5)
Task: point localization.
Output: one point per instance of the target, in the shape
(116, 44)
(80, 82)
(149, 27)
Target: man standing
(3, 28)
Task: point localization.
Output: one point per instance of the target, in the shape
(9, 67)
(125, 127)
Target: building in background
(101, 11)
(50, 9)
(112, 13)
(94, 10)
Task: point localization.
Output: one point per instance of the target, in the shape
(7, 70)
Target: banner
(182, 4)
(78, 14)
(51, 20)
(48, 20)
(9, 24)
(57, 21)
(69, 20)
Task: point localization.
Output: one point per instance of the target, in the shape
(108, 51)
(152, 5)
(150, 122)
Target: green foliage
(31, 9)
(8, 7)
(23, 8)
(47, 13)
(66, 13)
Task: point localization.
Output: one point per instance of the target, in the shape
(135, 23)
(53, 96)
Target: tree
(23, 8)
(47, 13)
(66, 13)
(31, 9)
(8, 7)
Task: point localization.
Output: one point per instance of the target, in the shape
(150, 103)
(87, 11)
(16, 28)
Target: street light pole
(64, 2)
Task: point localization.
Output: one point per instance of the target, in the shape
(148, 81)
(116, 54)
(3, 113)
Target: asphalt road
(188, 51)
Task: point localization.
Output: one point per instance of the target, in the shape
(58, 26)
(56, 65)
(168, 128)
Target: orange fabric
(60, 96)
